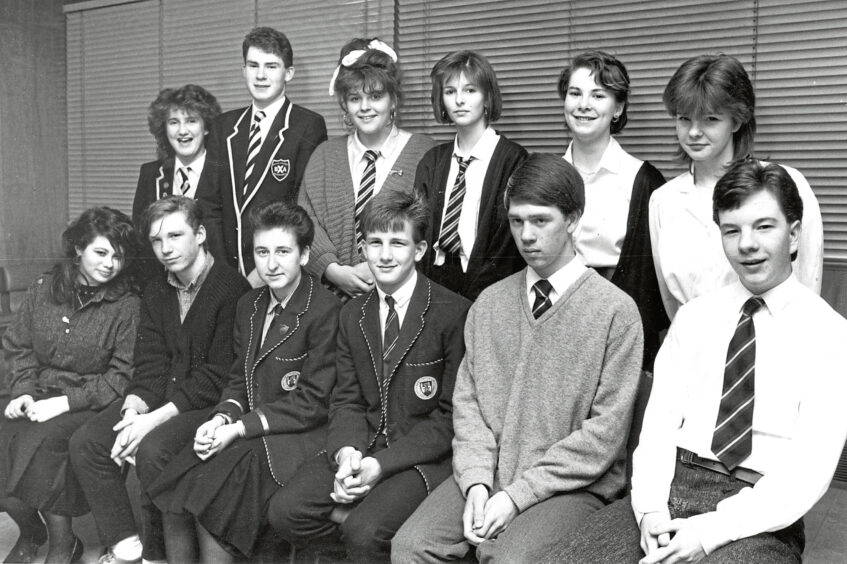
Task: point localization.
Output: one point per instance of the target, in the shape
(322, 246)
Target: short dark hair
(478, 70)
(192, 99)
(547, 180)
(172, 204)
(391, 209)
(710, 84)
(373, 71)
(110, 223)
(747, 177)
(268, 40)
(276, 214)
(608, 72)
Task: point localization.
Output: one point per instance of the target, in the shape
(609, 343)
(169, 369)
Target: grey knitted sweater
(544, 406)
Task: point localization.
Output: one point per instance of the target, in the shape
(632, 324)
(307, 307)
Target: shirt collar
(562, 279)
(777, 299)
(270, 111)
(386, 149)
(403, 295)
(483, 149)
(273, 301)
(198, 280)
(611, 159)
(196, 165)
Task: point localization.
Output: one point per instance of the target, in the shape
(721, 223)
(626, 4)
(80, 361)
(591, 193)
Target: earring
(348, 121)
(445, 117)
(616, 118)
(391, 116)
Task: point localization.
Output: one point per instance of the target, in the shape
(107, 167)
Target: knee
(363, 535)
(150, 458)
(86, 446)
(284, 516)
(405, 547)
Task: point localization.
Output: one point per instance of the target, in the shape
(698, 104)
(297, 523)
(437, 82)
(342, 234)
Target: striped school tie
(389, 339)
(449, 241)
(542, 290)
(732, 441)
(253, 146)
(185, 185)
(365, 194)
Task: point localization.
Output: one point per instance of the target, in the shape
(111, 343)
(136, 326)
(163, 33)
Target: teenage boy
(544, 395)
(262, 149)
(399, 347)
(745, 422)
(182, 355)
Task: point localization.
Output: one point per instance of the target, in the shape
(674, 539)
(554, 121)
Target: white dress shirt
(799, 426)
(402, 297)
(474, 177)
(561, 280)
(193, 169)
(388, 153)
(599, 235)
(687, 250)
(270, 115)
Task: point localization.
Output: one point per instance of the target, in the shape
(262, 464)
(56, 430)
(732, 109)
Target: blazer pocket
(288, 371)
(422, 383)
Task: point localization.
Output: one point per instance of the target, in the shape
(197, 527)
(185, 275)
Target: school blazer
(494, 255)
(411, 404)
(280, 390)
(155, 181)
(279, 169)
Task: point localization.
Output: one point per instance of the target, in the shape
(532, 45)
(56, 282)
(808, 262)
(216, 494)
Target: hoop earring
(348, 121)
(77, 260)
(485, 113)
(616, 119)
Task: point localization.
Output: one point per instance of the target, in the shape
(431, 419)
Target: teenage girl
(464, 179)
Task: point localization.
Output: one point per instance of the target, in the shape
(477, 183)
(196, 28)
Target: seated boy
(544, 395)
(182, 355)
(399, 347)
(745, 422)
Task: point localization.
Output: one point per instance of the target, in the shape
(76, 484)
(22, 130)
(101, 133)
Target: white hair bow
(353, 56)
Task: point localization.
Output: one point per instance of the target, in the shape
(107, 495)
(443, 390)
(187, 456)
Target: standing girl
(464, 179)
(613, 236)
(713, 104)
(344, 173)
(70, 350)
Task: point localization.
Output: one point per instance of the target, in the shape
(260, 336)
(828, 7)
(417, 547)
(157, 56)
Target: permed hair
(269, 40)
(192, 99)
(711, 84)
(374, 71)
(391, 209)
(275, 214)
(608, 72)
(547, 180)
(477, 70)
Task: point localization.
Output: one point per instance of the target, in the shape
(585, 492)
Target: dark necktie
(185, 185)
(273, 322)
(449, 241)
(365, 194)
(253, 146)
(389, 339)
(542, 290)
(732, 441)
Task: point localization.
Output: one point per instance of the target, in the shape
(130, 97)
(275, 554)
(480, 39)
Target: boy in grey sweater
(544, 395)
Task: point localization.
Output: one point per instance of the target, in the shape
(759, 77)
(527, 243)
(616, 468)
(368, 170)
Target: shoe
(26, 549)
(108, 557)
(75, 554)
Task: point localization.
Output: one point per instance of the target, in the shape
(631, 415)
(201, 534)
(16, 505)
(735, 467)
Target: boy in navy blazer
(390, 432)
(262, 149)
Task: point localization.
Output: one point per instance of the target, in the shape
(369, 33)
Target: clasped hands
(486, 516)
(660, 548)
(355, 477)
(215, 435)
(36, 411)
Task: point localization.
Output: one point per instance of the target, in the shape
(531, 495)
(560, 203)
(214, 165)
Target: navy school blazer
(412, 404)
(279, 168)
(280, 389)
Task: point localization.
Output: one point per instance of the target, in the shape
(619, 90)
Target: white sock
(128, 549)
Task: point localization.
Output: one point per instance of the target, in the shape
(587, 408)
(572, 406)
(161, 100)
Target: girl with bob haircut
(70, 353)
(345, 172)
(470, 246)
(713, 105)
(613, 235)
(273, 413)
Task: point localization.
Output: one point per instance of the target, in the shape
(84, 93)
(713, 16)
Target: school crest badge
(280, 169)
(426, 387)
(289, 381)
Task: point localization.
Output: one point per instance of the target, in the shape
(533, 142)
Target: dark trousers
(103, 481)
(612, 535)
(301, 510)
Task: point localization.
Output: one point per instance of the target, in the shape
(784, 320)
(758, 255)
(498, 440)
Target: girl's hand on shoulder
(348, 279)
(18, 407)
(46, 409)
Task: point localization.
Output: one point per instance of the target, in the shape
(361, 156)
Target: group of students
(443, 344)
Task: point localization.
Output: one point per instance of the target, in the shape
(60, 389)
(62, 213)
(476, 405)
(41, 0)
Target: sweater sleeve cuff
(474, 476)
(77, 400)
(181, 402)
(23, 389)
(522, 495)
(320, 263)
(132, 401)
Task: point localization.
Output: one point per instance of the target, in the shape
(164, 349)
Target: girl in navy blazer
(470, 245)
(272, 415)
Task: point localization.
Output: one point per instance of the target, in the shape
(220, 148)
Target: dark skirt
(227, 494)
(34, 463)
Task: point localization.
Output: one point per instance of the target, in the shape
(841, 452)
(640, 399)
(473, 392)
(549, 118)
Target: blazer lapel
(289, 320)
(164, 178)
(441, 190)
(270, 146)
(413, 324)
(371, 331)
(236, 147)
(257, 323)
